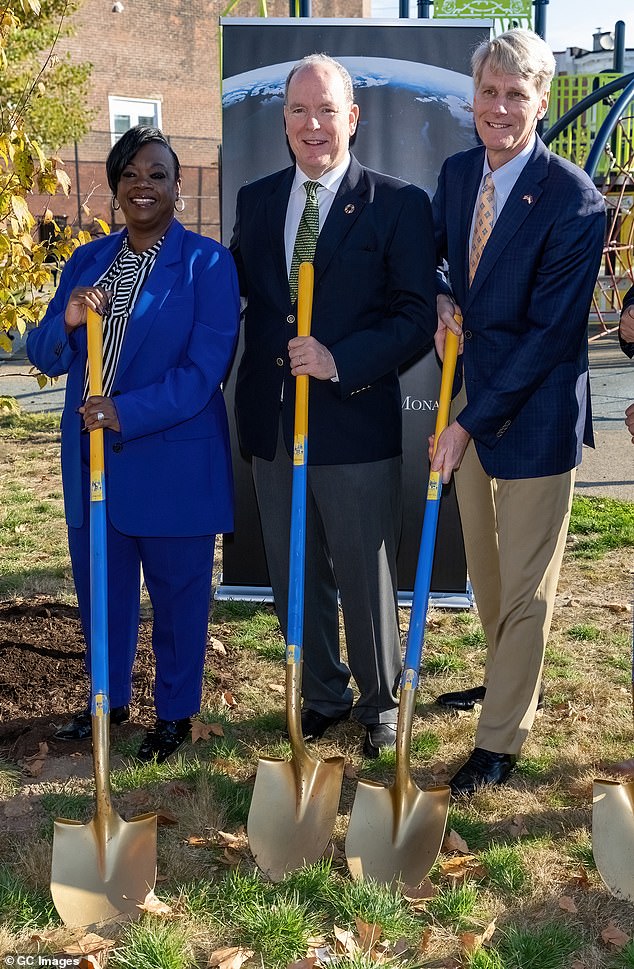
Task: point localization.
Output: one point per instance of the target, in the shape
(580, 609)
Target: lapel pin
(527, 198)
(349, 209)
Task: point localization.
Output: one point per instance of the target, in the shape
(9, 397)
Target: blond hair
(518, 51)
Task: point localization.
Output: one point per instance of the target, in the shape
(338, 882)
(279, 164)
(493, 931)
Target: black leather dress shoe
(80, 727)
(467, 699)
(165, 737)
(314, 724)
(483, 769)
(378, 736)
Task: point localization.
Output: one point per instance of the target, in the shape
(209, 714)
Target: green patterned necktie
(306, 238)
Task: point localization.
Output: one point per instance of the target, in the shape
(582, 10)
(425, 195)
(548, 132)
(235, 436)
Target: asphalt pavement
(607, 470)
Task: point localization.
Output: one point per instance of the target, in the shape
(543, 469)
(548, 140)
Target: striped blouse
(124, 279)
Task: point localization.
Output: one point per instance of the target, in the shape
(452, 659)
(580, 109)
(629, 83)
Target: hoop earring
(182, 206)
(115, 204)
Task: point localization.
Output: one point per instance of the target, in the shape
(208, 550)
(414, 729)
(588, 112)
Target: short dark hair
(122, 153)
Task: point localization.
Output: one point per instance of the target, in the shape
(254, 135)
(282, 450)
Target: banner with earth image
(413, 86)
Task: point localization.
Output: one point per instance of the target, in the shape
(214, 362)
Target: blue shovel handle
(297, 551)
(100, 705)
(422, 582)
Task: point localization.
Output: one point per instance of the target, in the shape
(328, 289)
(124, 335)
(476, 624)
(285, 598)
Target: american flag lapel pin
(527, 198)
(349, 208)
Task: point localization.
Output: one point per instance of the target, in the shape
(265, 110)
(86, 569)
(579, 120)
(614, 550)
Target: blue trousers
(177, 573)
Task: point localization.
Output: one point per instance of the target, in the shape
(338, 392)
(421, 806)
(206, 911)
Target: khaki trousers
(515, 535)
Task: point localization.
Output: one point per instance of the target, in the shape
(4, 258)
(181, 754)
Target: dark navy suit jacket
(525, 355)
(168, 470)
(374, 308)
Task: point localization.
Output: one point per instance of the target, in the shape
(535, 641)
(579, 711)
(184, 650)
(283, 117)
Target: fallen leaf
(440, 771)
(368, 934)
(88, 944)
(453, 842)
(228, 700)
(350, 771)
(197, 841)
(34, 768)
(90, 961)
(218, 647)
(203, 731)
(577, 965)
(425, 939)
(619, 607)
(154, 905)
(612, 935)
(306, 963)
(231, 957)
(345, 943)
(580, 880)
(276, 688)
(324, 955)
(231, 858)
(41, 754)
(421, 893)
(567, 904)
(458, 861)
(400, 947)
(517, 828)
(229, 840)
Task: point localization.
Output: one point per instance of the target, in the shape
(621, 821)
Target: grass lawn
(515, 886)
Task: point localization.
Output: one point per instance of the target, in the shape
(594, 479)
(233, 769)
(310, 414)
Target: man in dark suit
(626, 337)
(373, 309)
(522, 233)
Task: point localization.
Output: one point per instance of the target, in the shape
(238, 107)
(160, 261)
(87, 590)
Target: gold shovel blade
(395, 837)
(293, 811)
(99, 875)
(613, 835)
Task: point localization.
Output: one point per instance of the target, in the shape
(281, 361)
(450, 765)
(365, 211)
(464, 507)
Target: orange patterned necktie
(483, 224)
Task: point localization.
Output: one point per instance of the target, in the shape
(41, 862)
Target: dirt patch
(42, 678)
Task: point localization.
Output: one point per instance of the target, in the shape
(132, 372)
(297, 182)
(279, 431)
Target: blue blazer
(525, 316)
(168, 470)
(374, 308)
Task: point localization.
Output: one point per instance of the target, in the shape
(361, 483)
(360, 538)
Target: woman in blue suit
(170, 307)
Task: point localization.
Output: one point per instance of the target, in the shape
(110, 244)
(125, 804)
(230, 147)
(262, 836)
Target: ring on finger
(101, 416)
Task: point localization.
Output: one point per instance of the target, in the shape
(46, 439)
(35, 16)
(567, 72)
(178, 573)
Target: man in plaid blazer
(523, 411)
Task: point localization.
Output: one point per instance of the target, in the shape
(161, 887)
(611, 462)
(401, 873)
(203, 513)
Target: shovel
(103, 869)
(294, 805)
(613, 830)
(395, 833)
(613, 835)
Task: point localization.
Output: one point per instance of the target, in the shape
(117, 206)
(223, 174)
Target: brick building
(158, 62)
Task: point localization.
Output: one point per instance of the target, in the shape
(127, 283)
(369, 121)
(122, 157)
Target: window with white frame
(125, 113)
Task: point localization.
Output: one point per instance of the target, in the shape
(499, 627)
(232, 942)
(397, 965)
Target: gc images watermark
(59, 962)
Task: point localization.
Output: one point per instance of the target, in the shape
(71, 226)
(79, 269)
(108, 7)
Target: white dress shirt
(329, 184)
(504, 179)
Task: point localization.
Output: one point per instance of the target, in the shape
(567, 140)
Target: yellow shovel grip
(452, 344)
(304, 315)
(94, 330)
